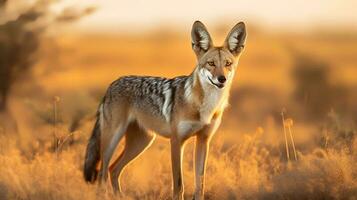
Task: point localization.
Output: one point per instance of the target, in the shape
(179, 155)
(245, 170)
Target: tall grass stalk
(285, 135)
(289, 124)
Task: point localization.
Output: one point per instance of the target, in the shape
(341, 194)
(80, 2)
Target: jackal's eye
(211, 63)
(228, 63)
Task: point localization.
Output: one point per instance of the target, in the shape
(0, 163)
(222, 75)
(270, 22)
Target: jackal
(139, 107)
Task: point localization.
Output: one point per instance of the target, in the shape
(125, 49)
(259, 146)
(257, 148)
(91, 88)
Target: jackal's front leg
(201, 151)
(176, 158)
(203, 138)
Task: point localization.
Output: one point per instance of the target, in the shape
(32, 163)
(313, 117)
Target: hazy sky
(134, 14)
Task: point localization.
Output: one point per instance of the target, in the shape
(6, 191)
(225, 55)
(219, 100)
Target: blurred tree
(17, 46)
(20, 39)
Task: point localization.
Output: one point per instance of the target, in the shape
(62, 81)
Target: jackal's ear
(235, 40)
(201, 40)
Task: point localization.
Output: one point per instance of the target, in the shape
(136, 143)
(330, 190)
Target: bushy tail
(92, 156)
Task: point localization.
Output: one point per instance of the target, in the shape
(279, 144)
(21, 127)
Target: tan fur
(178, 108)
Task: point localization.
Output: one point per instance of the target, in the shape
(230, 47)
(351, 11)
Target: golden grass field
(247, 158)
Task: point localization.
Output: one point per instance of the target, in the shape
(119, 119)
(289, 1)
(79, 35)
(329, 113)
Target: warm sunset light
(266, 110)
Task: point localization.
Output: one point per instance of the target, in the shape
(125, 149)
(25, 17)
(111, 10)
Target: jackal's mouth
(219, 85)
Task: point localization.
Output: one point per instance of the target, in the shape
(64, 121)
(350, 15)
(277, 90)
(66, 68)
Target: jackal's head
(217, 64)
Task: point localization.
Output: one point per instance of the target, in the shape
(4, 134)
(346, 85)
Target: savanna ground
(310, 76)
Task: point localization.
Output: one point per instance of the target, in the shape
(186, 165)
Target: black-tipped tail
(92, 156)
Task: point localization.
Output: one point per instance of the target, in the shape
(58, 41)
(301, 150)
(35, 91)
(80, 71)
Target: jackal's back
(155, 95)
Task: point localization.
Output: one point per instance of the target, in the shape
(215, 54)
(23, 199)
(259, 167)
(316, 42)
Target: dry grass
(248, 169)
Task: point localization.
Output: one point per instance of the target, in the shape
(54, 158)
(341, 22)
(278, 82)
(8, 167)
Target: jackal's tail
(92, 156)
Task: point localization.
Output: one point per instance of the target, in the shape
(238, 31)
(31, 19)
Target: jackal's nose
(221, 79)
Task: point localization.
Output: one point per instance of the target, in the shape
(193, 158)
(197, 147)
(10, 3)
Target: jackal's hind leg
(110, 138)
(137, 141)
